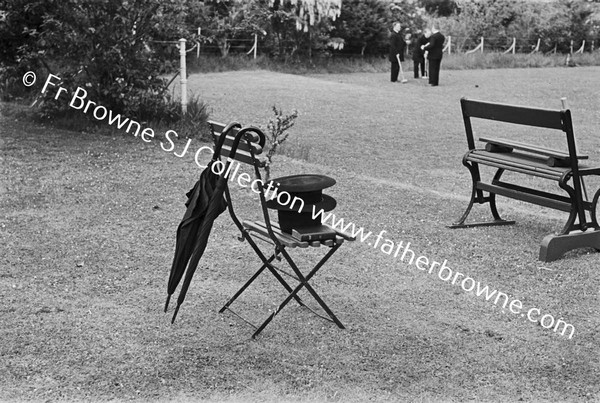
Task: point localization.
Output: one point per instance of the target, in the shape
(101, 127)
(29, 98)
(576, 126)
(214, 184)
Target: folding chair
(244, 145)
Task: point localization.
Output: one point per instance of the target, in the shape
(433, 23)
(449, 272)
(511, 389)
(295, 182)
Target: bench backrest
(538, 117)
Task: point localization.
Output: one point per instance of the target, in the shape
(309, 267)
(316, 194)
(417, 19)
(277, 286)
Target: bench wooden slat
(548, 118)
(530, 148)
(522, 163)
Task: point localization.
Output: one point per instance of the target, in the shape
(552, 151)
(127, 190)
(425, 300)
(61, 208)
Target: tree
(311, 16)
(441, 8)
(100, 45)
(224, 20)
(363, 24)
(488, 18)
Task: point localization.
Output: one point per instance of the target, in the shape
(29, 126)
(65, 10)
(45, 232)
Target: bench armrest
(504, 144)
(589, 171)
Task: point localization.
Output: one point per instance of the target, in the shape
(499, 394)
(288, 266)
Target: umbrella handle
(224, 133)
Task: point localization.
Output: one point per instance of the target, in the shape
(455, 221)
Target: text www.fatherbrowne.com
(406, 255)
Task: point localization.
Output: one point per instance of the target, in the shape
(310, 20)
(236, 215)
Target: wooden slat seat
(288, 240)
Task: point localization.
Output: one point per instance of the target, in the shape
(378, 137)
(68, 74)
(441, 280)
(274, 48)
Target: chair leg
(241, 290)
(309, 288)
(272, 269)
(251, 280)
(303, 283)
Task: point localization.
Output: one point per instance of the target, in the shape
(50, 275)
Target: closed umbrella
(190, 230)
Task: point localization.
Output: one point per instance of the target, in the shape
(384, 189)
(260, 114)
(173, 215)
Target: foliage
(364, 25)
(441, 8)
(277, 128)
(101, 46)
(309, 13)
(312, 19)
(555, 23)
(224, 21)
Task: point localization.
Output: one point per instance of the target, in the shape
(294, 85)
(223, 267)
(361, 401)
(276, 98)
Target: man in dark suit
(435, 49)
(417, 53)
(396, 56)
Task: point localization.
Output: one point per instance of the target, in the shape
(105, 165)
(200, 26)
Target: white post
(482, 44)
(183, 74)
(448, 46)
(198, 43)
(514, 45)
(255, 44)
(571, 50)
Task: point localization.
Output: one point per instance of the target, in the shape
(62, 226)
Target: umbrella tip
(175, 314)
(167, 302)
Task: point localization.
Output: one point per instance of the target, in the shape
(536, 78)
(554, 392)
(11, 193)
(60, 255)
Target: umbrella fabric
(194, 229)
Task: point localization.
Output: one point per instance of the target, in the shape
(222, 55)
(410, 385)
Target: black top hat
(306, 187)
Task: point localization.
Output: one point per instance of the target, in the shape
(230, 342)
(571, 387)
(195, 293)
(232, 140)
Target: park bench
(562, 167)
(245, 145)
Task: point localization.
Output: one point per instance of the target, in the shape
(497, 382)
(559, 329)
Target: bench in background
(562, 167)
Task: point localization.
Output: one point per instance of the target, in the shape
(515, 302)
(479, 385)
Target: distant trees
(555, 23)
(441, 8)
(364, 25)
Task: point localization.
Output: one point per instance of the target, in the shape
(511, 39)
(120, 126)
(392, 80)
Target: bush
(192, 123)
(102, 47)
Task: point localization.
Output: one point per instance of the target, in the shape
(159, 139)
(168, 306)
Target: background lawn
(88, 221)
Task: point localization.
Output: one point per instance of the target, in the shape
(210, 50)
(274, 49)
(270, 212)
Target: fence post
(537, 47)
(448, 45)
(479, 47)
(512, 47)
(183, 75)
(571, 47)
(198, 43)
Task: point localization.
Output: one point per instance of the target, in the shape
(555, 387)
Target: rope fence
(452, 45)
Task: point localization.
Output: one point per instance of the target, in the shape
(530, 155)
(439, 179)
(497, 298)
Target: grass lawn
(88, 221)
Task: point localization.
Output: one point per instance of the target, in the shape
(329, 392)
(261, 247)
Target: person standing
(397, 46)
(418, 53)
(435, 49)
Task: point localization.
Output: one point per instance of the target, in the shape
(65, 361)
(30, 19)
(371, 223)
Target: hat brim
(327, 203)
(302, 183)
